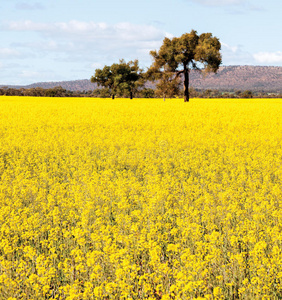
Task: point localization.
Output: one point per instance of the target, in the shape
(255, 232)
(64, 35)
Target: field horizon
(228, 78)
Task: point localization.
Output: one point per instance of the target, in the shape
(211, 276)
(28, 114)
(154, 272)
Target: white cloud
(75, 47)
(236, 55)
(8, 53)
(89, 41)
(268, 57)
(233, 49)
(78, 29)
(29, 74)
(26, 26)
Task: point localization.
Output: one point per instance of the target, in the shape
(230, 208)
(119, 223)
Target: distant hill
(228, 78)
(74, 85)
(231, 78)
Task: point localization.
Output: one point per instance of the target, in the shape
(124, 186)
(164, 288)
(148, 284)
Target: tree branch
(178, 73)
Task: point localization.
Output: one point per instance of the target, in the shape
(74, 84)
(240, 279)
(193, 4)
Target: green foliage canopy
(180, 55)
(120, 78)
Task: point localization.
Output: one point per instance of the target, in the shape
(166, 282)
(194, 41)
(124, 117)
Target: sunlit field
(140, 199)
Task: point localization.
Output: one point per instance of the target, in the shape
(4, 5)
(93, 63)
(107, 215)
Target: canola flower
(140, 199)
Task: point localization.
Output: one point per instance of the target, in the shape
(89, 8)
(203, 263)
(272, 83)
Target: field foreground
(140, 199)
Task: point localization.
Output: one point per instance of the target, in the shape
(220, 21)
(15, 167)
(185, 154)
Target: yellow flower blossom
(143, 199)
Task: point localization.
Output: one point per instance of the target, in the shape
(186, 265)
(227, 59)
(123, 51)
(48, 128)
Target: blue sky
(58, 40)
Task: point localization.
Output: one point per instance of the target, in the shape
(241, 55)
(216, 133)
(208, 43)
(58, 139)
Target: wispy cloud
(124, 31)
(219, 2)
(29, 6)
(76, 44)
(236, 55)
(268, 57)
(8, 53)
(231, 6)
(85, 40)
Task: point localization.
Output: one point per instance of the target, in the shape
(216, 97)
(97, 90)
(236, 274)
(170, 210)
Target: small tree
(167, 86)
(190, 51)
(247, 94)
(129, 77)
(147, 93)
(122, 78)
(105, 78)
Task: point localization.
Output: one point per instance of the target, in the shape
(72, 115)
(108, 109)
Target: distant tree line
(57, 91)
(211, 93)
(161, 90)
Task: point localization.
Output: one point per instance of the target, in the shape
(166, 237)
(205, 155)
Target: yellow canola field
(140, 199)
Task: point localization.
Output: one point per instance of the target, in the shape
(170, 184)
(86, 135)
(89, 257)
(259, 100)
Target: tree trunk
(131, 95)
(113, 96)
(186, 84)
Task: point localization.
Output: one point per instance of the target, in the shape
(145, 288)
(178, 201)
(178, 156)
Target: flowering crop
(140, 199)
